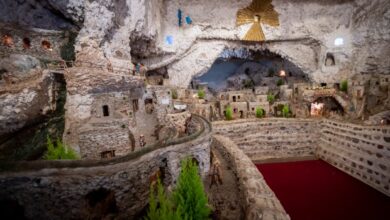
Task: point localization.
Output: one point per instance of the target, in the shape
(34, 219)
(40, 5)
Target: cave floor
(316, 190)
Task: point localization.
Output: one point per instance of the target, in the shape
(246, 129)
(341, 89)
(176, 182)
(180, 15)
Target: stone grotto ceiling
(259, 11)
(244, 69)
(44, 14)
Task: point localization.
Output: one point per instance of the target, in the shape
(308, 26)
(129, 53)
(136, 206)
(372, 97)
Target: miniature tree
(160, 205)
(59, 152)
(259, 112)
(201, 94)
(229, 113)
(280, 82)
(286, 111)
(344, 86)
(188, 199)
(271, 98)
(189, 195)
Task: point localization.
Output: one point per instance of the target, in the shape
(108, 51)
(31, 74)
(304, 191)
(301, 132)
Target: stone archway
(199, 57)
(331, 105)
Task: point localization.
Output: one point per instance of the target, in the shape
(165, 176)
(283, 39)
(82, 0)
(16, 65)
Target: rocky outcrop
(46, 14)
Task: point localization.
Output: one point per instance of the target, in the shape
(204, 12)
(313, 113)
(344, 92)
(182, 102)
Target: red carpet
(315, 190)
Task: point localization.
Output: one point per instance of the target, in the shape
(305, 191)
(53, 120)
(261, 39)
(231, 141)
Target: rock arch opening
(101, 203)
(246, 69)
(326, 106)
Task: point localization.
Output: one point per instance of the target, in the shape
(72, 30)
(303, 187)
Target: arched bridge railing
(18, 166)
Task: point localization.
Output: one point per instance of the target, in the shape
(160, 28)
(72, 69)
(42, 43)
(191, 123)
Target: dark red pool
(315, 190)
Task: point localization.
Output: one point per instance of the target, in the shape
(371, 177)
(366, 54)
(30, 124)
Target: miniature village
(108, 107)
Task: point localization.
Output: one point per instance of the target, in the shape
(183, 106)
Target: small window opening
(106, 111)
(26, 43)
(135, 105)
(7, 40)
(46, 45)
(107, 154)
(330, 61)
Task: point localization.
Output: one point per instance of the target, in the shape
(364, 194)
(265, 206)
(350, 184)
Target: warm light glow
(282, 73)
(316, 109)
(339, 41)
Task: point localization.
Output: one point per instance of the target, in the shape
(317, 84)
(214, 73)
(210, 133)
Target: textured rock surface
(46, 14)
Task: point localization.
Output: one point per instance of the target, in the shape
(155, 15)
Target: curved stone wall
(259, 200)
(361, 151)
(74, 189)
(272, 138)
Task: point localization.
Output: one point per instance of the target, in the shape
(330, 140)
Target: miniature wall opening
(100, 203)
(106, 111)
(26, 43)
(156, 77)
(247, 69)
(326, 107)
(135, 105)
(149, 107)
(107, 154)
(7, 40)
(329, 60)
(46, 45)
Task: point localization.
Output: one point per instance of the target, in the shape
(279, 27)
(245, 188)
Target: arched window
(26, 43)
(106, 111)
(329, 61)
(46, 45)
(7, 40)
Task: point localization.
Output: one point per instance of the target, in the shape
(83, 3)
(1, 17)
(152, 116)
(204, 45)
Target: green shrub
(160, 205)
(229, 113)
(174, 94)
(188, 200)
(344, 86)
(259, 112)
(59, 152)
(189, 195)
(280, 82)
(271, 98)
(286, 111)
(201, 93)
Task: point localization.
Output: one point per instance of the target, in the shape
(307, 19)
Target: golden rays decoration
(259, 11)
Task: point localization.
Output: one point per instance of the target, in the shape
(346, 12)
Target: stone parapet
(258, 199)
(272, 138)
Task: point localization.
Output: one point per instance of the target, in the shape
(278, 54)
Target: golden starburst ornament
(259, 11)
